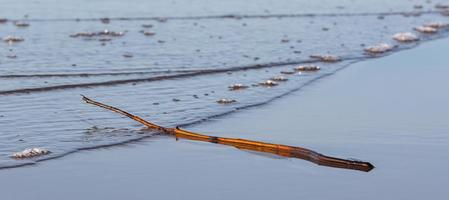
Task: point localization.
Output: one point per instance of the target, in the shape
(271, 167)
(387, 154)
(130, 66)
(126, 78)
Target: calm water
(194, 56)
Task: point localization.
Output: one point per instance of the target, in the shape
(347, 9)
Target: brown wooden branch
(278, 149)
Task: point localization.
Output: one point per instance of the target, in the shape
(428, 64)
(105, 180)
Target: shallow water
(203, 48)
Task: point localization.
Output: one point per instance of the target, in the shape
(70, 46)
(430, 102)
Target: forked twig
(278, 149)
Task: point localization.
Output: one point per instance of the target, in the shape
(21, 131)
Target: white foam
(307, 68)
(405, 37)
(28, 153)
(326, 57)
(269, 83)
(379, 48)
(237, 86)
(226, 101)
(426, 29)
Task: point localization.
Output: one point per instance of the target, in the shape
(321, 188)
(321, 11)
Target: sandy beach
(389, 111)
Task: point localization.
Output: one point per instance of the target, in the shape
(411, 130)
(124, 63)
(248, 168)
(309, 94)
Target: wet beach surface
(389, 111)
(177, 75)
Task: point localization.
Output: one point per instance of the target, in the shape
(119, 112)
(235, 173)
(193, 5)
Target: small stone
(3, 20)
(175, 100)
(147, 25)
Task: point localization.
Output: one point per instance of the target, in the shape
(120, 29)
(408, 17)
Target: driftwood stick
(278, 149)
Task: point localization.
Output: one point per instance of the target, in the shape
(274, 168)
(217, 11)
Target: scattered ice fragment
(128, 55)
(279, 78)
(326, 57)
(436, 25)
(12, 39)
(379, 48)
(287, 72)
(405, 37)
(147, 25)
(83, 34)
(101, 33)
(105, 20)
(28, 153)
(226, 101)
(21, 24)
(269, 83)
(12, 56)
(425, 29)
(162, 19)
(441, 6)
(307, 68)
(445, 12)
(148, 33)
(104, 39)
(237, 86)
(111, 33)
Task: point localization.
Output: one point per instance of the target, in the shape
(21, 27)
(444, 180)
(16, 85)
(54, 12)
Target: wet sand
(390, 111)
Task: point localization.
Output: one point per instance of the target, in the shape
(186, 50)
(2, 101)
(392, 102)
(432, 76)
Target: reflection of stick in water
(282, 150)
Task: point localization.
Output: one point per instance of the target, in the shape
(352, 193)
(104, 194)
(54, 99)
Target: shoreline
(191, 163)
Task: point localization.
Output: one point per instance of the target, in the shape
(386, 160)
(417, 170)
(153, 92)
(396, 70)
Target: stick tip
(84, 98)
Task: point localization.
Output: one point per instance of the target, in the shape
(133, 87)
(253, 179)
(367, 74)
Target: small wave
(160, 78)
(237, 16)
